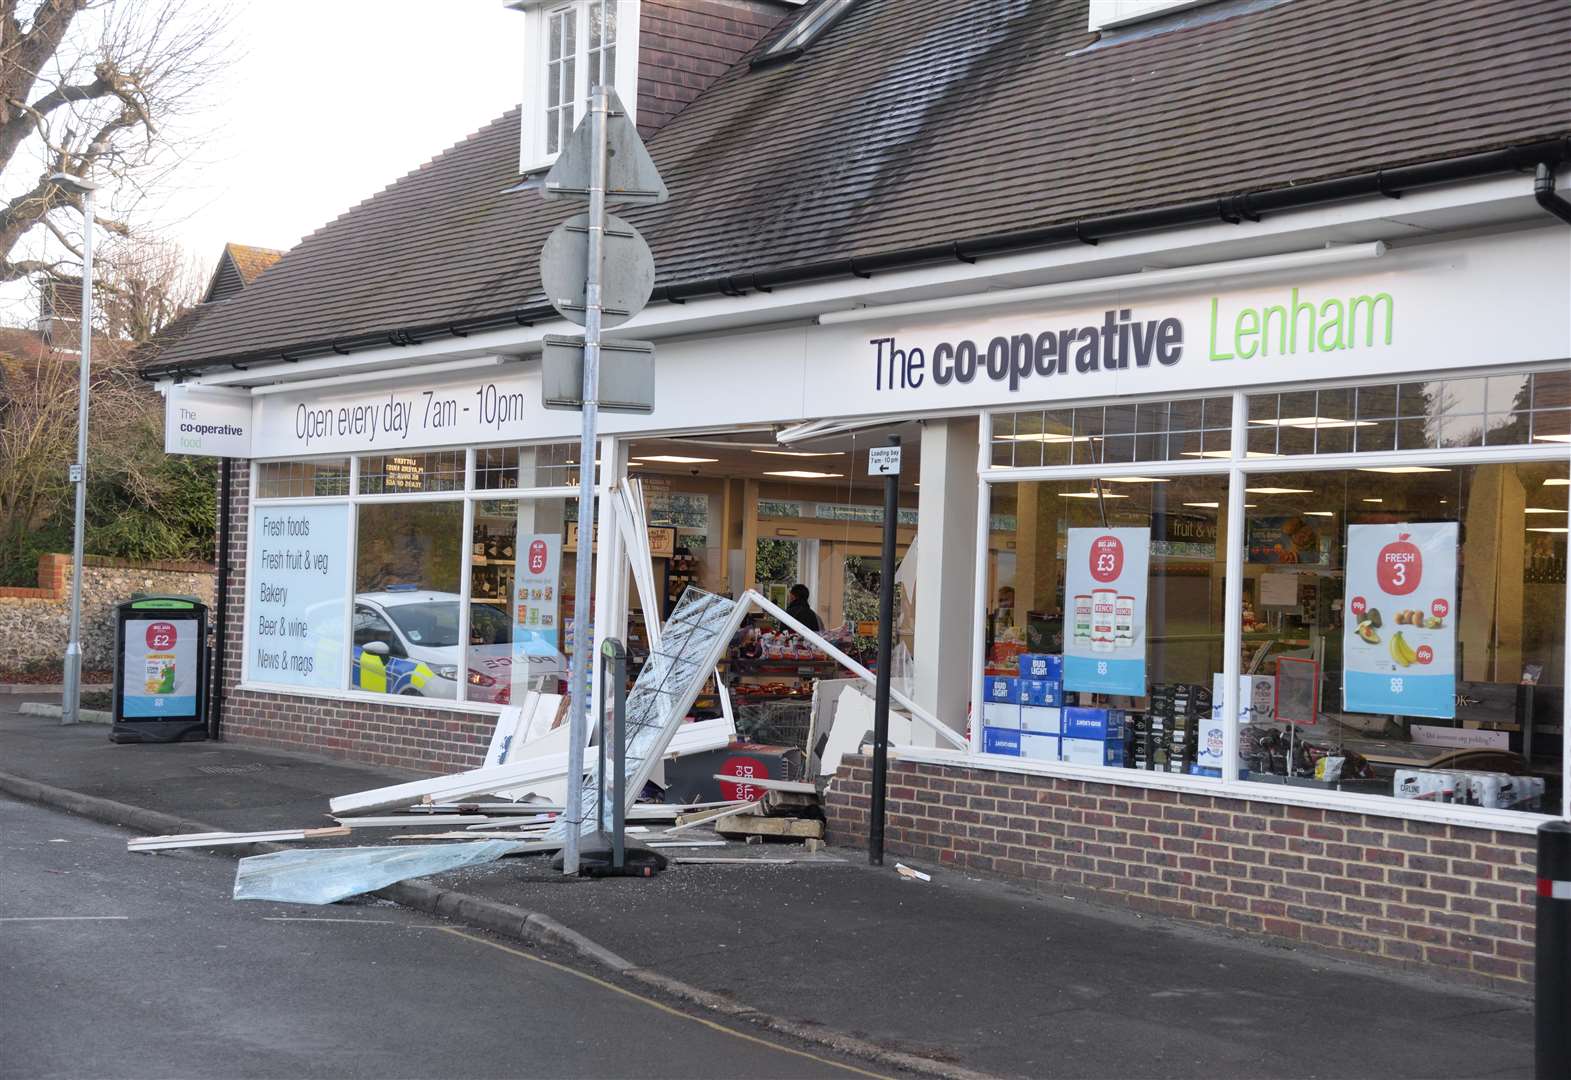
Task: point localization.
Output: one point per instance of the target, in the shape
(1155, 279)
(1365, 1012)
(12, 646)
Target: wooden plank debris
(916, 875)
(798, 787)
(800, 828)
(686, 822)
(223, 839)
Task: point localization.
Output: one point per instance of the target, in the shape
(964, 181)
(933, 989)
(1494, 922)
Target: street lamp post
(71, 702)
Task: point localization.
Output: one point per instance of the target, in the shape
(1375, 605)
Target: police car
(406, 642)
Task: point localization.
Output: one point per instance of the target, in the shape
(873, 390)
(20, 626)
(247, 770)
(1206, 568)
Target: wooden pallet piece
(796, 828)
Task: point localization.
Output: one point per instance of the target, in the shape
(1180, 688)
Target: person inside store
(802, 611)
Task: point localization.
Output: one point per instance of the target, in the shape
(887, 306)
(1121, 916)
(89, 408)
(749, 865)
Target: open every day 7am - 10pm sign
(1105, 589)
(1399, 638)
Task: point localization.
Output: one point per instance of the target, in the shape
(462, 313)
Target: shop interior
(1509, 619)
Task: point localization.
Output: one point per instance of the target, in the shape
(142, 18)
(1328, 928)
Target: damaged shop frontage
(1234, 590)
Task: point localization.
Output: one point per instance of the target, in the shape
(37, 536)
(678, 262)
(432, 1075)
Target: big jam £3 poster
(1399, 636)
(1105, 601)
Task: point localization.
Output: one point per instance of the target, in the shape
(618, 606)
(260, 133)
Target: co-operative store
(1326, 426)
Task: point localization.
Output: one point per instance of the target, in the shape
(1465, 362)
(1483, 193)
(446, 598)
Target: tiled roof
(912, 124)
(251, 261)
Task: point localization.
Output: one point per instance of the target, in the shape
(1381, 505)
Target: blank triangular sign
(631, 176)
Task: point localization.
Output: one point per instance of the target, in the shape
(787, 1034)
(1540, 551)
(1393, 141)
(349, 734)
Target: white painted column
(946, 554)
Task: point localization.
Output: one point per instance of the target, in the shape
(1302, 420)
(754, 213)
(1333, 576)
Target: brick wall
(35, 622)
(392, 734)
(1407, 892)
(685, 45)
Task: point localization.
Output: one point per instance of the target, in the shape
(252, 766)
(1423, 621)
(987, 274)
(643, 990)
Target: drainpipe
(215, 704)
(1544, 192)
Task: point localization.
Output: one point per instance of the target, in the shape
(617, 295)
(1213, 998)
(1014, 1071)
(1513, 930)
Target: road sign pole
(583, 648)
(886, 620)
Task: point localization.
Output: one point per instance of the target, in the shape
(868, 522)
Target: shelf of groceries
(1178, 728)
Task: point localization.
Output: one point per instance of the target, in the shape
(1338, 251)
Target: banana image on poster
(1399, 638)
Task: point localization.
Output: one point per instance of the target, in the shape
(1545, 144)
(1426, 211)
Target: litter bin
(160, 670)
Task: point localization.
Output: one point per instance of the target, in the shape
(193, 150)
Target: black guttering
(1235, 209)
(1544, 192)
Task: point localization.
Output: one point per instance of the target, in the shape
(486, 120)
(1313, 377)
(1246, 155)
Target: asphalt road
(121, 965)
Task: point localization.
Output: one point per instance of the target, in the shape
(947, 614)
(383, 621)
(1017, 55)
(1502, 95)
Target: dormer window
(573, 46)
(1106, 14)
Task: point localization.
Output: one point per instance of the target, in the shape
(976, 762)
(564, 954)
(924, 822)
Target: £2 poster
(1105, 594)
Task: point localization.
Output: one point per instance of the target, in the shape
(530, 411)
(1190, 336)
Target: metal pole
(215, 704)
(886, 619)
(578, 676)
(601, 739)
(618, 676)
(1552, 946)
(72, 680)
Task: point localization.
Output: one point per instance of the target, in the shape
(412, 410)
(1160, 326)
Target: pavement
(143, 967)
(959, 974)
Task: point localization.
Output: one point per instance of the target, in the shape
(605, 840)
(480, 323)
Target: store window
(1105, 619)
(1404, 627)
(521, 599)
(575, 46)
(1513, 409)
(1114, 434)
(404, 474)
(407, 623)
(551, 465)
(302, 479)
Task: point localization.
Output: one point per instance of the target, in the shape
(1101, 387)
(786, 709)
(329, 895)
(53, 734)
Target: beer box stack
(1041, 705)
(1001, 715)
(1092, 736)
(1172, 727)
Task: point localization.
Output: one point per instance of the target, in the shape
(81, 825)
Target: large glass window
(521, 603)
(1137, 703)
(302, 479)
(1404, 630)
(406, 607)
(1114, 434)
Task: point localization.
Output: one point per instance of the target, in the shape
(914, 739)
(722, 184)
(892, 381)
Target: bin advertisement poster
(296, 592)
(1399, 637)
(1105, 594)
(158, 668)
(536, 598)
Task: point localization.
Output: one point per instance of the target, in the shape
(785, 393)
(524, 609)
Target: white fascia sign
(207, 421)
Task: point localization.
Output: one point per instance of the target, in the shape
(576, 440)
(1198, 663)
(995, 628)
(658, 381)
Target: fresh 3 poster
(1399, 637)
(159, 668)
(1105, 593)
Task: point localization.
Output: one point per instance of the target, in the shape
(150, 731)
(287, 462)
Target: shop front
(1244, 580)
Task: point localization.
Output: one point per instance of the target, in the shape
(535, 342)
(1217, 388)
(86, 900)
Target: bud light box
(1081, 722)
(1038, 746)
(1041, 692)
(1000, 741)
(1042, 666)
(1042, 719)
(1001, 702)
(1092, 752)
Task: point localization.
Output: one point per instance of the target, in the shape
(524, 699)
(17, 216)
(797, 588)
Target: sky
(329, 102)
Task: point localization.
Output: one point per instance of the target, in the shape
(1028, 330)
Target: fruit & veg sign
(1399, 637)
(1105, 643)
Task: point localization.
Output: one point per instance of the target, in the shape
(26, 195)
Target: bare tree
(90, 89)
(144, 285)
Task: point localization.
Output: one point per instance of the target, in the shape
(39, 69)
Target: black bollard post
(1552, 954)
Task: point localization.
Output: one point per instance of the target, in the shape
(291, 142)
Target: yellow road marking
(652, 1003)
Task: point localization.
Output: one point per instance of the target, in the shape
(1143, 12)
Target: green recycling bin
(160, 670)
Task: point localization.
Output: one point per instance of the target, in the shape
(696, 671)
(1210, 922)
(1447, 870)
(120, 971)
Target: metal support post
(618, 676)
(582, 646)
(72, 680)
(1552, 954)
(886, 619)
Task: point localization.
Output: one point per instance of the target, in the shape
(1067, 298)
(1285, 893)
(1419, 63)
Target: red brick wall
(433, 740)
(685, 45)
(1409, 892)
